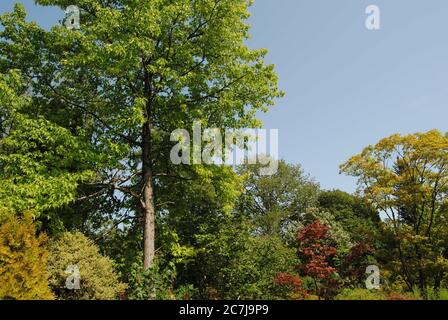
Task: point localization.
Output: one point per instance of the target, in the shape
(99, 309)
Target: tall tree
(406, 178)
(135, 71)
(276, 203)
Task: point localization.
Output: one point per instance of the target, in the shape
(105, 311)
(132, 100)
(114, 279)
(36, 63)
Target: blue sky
(346, 87)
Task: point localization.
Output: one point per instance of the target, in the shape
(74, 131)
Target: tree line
(89, 195)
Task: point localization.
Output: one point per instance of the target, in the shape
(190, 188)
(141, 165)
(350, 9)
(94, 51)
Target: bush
(432, 294)
(154, 283)
(364, 294)
(360, 294)
(157, 283)
(23, 261)
(98, 280)
(291, 285)
(443, 295)
(253, 272)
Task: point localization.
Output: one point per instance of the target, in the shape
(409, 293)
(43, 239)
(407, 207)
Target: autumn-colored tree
(292, 284)
(316, 251)
(406, 178)
(23, 260)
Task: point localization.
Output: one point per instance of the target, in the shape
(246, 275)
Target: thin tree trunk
(149, 231)
(148, 201)
(149, 211)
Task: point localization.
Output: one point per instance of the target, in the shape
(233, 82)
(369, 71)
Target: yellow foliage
(23, 261)
(403, 171)
(406, 177)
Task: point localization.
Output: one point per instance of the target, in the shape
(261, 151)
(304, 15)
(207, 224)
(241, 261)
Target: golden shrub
(23, 260)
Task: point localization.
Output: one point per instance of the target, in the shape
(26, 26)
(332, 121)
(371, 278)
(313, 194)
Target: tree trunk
(149, 231)
(148, 200)
(149, 211)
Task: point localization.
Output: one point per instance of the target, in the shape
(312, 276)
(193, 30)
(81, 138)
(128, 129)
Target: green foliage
(360, 294)
(233, 264)
(431, 294)
(355, 215)
(135, 72)
(154, 283)
(275, 203)
(23, 260)
(98, 280)
(364, 294)
(157, 283)
(252, 271)
(37, 156)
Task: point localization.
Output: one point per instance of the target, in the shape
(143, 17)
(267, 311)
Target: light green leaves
(37, 157)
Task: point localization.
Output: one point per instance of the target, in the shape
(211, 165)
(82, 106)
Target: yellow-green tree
(406, 177)
(23, 260)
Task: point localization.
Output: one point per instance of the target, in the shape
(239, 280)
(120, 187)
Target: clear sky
(346, 87)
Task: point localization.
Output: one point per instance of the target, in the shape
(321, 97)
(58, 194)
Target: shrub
(316, 253)
(364, 294)
(432, 294)
(23, 260)
(291, 285)
(400, 296)
(154, 283)
(251, 274)
(98, 280)
(360, 294)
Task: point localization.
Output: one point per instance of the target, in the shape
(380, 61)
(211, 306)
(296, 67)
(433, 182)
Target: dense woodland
(90, 198)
